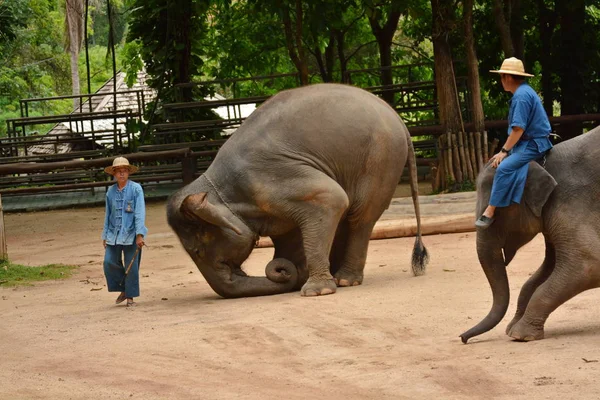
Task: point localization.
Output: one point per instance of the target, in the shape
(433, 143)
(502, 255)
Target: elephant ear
(199, 206)
(538, 188)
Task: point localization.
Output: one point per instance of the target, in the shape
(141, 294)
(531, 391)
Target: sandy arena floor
(394, 337)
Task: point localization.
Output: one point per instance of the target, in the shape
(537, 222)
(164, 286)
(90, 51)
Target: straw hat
(120, 162)
(512, 66)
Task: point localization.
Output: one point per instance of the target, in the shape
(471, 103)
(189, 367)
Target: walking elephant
(561, 202)
(313, 168)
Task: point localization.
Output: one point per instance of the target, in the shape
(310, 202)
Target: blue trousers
(511, 174)
(114, 269)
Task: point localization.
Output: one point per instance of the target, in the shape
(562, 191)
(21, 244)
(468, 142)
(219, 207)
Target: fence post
(188, 169)
(3, 251)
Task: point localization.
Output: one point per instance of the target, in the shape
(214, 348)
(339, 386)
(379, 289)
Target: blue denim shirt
(526, 112)
(125, 214)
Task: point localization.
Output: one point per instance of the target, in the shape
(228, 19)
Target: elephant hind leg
(568, 279)
(533, 283)
(351, 268)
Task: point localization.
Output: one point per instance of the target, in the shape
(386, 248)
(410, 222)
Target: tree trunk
(473, 68)
(385, 36)
(343, 61)
(293, 41)
(449, 109)
(74, 13)
(516, 29)
(326, 64)
(184, 37)
(74, 76)
(330, 56)
(503, 28)
(572, 61)
(547, 23)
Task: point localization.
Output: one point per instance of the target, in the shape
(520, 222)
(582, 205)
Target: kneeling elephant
(313, 168)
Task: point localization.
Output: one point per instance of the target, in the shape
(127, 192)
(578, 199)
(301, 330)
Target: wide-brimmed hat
(120, 162)
(512, 66)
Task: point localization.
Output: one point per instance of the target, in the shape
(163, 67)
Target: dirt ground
(394, 337)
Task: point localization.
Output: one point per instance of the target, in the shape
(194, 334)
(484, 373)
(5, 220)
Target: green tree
(74, 24)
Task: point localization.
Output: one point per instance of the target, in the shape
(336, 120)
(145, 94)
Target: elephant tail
(420, 257)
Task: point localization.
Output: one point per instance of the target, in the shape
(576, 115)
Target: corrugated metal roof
(126, 100)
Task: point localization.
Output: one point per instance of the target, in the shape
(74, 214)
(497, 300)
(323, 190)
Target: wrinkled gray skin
(313, 168)
(561, 202)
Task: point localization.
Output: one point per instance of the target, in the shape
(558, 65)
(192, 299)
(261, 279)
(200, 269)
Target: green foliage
(16, 275)
(169, 37)
(33, 62)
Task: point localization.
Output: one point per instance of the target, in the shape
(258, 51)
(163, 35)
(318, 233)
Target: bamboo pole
(455, 153)
(3, 250)
(442, 163)
(466, 166)
(470, 165)
(478, 150)
(493, 146)
(485, 147)
(435, 176)
(472, 155)
(449, 165)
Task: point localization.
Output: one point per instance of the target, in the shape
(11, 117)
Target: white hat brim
(504, 71)
(111, 170)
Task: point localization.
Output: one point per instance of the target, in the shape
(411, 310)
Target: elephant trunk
(494, 267)
(232, 283)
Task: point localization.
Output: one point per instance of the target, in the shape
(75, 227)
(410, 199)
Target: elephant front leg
(318, 221)
(566, 281)
(539, 277)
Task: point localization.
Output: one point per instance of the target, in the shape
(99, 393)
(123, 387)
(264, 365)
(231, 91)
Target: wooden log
(449, 163)
(485, 147)
(3, 248)
(88, 185)
(27, 168)
(478, 152)
(456, 156)
(434, 225)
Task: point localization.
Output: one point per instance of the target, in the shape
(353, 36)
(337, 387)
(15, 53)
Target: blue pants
(511, 174)
(114, 269)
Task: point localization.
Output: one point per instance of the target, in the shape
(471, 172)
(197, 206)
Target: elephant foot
(512, 323)
(344, 279)
(523, 332)
(314, 287)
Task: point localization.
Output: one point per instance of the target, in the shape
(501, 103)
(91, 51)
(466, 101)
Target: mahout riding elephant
(313, 168)
(561, 202)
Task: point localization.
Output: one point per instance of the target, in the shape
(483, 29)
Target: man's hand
(497, 159)
(139, 240)
(104, 243)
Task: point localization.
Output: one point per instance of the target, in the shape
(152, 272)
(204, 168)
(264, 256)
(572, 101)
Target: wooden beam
(21, 168)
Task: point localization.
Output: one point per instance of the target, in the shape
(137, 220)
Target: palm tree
(74, 28)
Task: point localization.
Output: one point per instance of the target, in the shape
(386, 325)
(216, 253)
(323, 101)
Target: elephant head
(219, 241)
(514, 227)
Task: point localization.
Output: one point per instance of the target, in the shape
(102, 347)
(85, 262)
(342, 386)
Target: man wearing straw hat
(124, 232)
(528, 140)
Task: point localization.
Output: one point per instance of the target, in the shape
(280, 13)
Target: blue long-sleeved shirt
(526, 112)
(125, 215)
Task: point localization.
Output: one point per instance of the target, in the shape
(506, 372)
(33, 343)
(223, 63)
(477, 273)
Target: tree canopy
(183, 41)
